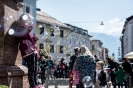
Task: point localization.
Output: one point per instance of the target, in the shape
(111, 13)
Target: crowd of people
(81, 64)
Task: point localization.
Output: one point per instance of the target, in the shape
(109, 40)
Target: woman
(85, 65)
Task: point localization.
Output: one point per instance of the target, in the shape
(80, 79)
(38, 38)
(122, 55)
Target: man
(71, 64)
(96, 58)
(50, 67)
(127, 68)
(112, 65)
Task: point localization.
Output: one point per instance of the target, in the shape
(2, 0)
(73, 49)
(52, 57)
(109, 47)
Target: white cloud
(113, 21)
(101, 27)
(112, 27)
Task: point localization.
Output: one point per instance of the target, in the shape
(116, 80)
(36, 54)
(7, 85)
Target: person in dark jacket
(85, 65)
(43, 66)
(113, 65)
(96, 58)
(100, 75)
(127, 69)
(66, 70)
(71, 64)
(50, 64)
(61, 68)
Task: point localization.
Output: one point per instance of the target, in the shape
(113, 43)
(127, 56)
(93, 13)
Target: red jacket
(27, 42)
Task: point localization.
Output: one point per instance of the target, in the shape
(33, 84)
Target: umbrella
(129, 55)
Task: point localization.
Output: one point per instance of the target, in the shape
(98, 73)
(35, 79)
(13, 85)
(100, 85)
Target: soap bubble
(11, 31)
(87, 81)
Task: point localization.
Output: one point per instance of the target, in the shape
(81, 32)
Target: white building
(59, 43)
(96, 48)
(53, 36)
(128, 36)
(105, 54)
(78, 37)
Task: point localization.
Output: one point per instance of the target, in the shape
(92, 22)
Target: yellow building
(53, 36)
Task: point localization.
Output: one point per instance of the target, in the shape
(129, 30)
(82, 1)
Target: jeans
(50, 73)
(43, 78)
(120, 84)
(32, 69)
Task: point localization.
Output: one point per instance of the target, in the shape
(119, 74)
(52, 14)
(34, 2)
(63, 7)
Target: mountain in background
(110, 42)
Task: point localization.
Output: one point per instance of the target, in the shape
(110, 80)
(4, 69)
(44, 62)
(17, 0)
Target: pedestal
(12, 73)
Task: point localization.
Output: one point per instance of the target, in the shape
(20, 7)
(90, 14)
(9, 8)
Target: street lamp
(102, 23)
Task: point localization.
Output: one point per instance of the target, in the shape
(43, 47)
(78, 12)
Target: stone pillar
(12, 73)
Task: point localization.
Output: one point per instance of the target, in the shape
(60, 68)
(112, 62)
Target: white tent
(129, 55)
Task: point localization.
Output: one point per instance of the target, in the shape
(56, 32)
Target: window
(93, 47)
(75, 29)
(51, 48)
(41, 46)
(100, 45)
(42, 30)
(61, 49)
(51, 32)
(27, 9)
(61, 33)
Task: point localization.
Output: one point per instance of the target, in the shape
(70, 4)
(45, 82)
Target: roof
(45, 18)
(78, 30)
(126, 22)
(124, 27)
(97, 40)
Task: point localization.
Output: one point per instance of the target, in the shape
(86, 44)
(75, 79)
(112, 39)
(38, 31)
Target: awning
(129, 55)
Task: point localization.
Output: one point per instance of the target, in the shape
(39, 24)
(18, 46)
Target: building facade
(77, 37)
(30, 8)
(105, 53)
(96, 48)
(53, 36)
(127, 38)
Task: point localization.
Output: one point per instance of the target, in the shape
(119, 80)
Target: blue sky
(88, 14)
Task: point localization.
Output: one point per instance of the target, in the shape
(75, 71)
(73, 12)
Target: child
(43, 66)
(27, 45)
(76, 78)
(120, 76)
(99, 75)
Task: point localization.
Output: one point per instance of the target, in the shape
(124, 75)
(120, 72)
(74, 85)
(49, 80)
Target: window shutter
(57, 32)
(47, 47)
(37, 45)
(66, 34)
(66, 49)
(48, 29)
(57, 48)
(37, 29)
